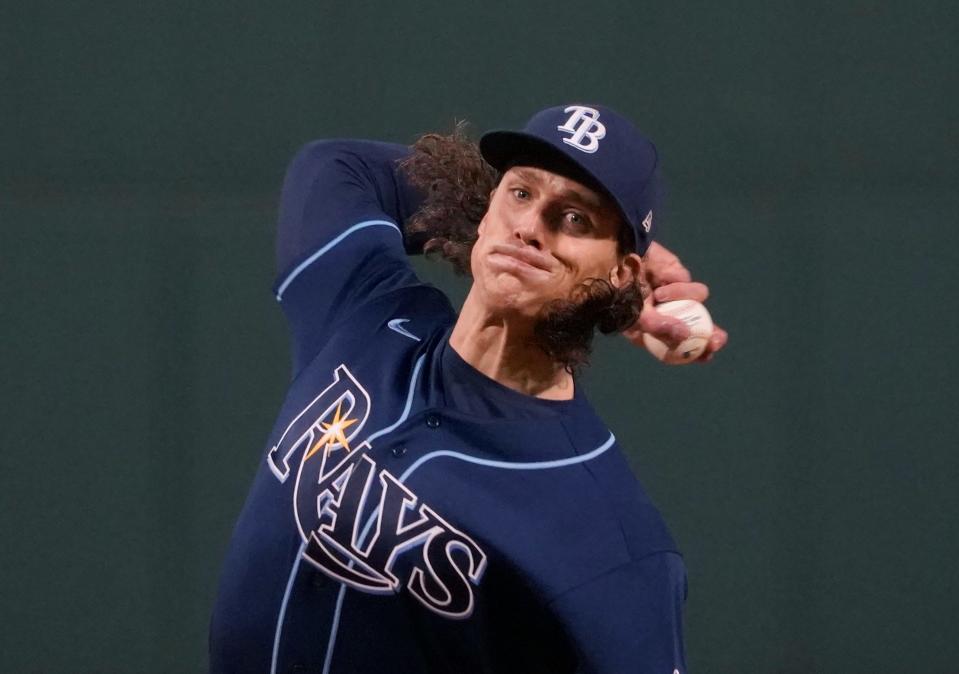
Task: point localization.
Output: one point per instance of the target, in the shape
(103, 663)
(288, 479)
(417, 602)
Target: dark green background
(809, 473)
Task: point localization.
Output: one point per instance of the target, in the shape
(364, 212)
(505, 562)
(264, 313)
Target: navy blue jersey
(411, 515)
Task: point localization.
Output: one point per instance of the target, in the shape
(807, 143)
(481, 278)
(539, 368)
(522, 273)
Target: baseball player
(437, 494)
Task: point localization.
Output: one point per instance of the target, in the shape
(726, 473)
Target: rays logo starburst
(333, 434)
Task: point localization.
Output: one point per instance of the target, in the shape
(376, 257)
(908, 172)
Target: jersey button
(433, 421)
(399, 451)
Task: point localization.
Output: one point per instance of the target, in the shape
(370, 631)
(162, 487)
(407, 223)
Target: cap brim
(501, 149)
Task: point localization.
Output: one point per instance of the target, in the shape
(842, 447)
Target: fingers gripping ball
(700, 325)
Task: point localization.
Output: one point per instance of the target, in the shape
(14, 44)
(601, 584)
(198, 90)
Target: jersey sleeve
(340, 238)
(629, 619)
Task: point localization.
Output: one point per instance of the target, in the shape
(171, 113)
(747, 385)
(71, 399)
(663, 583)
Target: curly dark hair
(565, 328)
(456, 183)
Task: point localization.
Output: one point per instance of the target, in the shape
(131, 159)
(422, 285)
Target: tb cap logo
(585, 127)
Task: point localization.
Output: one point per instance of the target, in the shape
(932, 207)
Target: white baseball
(700, 324)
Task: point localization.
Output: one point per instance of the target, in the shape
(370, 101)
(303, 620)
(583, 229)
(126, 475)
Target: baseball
(694, 315)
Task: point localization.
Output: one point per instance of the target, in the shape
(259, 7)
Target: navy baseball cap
(595, 146)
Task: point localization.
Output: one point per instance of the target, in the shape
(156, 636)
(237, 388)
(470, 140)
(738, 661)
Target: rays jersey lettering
(333, 486)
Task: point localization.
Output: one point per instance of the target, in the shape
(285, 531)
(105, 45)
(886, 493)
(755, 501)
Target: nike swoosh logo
(396, 326)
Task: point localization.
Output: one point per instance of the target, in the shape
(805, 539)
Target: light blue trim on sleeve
(322, 251)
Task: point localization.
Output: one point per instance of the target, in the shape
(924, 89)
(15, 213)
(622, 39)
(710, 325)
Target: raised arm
(331, 186)
(340, 234)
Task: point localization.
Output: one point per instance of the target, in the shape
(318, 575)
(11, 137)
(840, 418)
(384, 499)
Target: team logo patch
(362, 525)
(585, 128)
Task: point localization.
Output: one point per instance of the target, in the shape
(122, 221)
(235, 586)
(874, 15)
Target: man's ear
(629, 270)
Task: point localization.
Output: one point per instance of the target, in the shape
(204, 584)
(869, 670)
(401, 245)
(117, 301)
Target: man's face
(543, 235)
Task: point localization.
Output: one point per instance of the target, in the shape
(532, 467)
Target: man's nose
(531, 228)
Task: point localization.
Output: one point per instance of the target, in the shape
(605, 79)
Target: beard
(564, 328)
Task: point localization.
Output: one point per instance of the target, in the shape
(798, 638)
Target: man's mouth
(527, 255)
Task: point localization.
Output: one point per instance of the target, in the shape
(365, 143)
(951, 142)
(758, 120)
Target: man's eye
(577, 220)
(520, 193)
